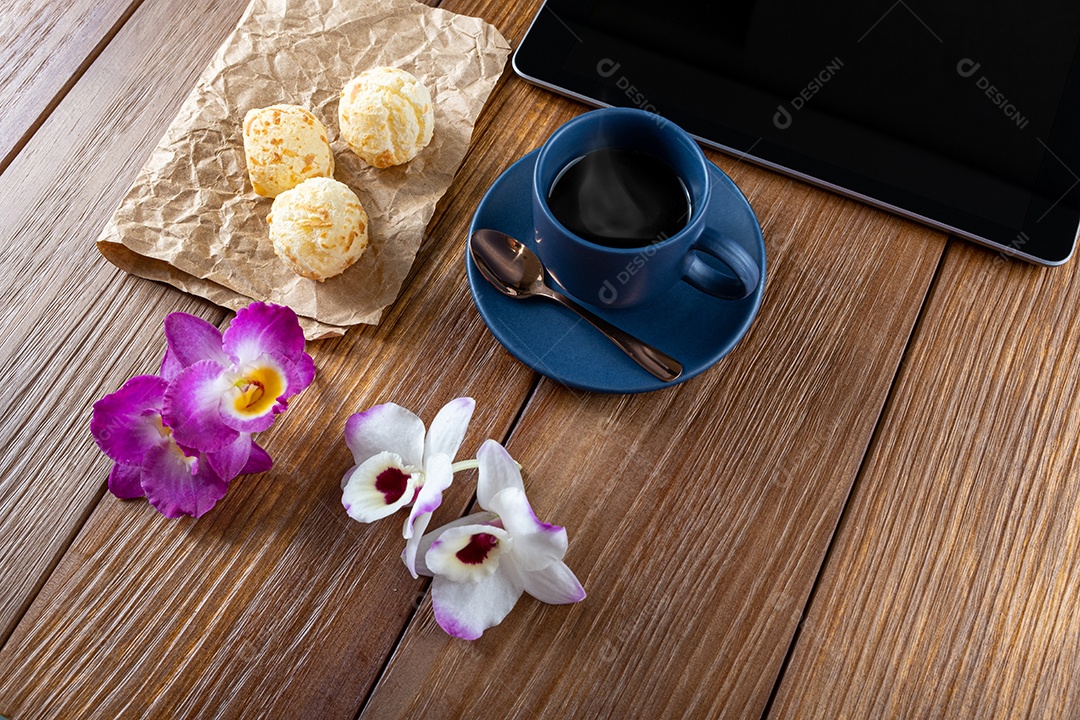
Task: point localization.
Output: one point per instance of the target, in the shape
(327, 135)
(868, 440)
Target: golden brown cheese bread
(386, 116)
(285, 145)
(319, 228)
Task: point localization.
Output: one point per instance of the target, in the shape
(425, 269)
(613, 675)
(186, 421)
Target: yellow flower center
(259, 388)
(164, 432)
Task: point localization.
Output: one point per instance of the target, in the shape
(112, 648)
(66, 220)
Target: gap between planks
(77, 75)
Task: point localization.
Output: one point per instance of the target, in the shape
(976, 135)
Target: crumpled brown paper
(192, 220)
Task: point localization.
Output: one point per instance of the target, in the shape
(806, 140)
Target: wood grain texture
(952, 588)
(276, 604)
(43, 50)
(73, 327)
(698, 515)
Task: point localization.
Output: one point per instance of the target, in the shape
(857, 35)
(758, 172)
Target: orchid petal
(170, 366)
(536, 544)
(125, 481)
(302, 372)
(468, 553)
(386, 427)
(438, 475)
(466, 610)
(258, 461)
(192, 407)
(448, 428)
(179, 485)
(231, 459)
(377, 487)
(556, 584)
(480, 518)
(127, 423)
(408, 556)
(262, 328)
(256, 394)
(498, 471)
(191, 339)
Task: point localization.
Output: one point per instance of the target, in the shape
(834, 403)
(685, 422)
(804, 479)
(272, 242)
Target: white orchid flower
(483, 562)
(398, 464)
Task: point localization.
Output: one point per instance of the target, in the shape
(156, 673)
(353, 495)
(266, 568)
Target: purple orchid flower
(177, 480)
(224, 385)
(179, 438)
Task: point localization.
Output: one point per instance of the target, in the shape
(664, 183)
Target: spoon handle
(657, 362)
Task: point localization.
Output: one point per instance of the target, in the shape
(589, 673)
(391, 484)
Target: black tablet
(963, 114)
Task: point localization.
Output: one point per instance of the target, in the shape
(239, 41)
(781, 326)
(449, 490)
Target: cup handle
(745, 274)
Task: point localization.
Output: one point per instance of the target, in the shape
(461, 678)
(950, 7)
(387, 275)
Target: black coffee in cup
(620, 198)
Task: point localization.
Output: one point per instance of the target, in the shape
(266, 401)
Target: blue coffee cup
(621, 277)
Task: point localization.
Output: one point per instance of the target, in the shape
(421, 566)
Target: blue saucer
(694, 328)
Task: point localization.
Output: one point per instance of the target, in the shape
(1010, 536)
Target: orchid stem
(471, 465)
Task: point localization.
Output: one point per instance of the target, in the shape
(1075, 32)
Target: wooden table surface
(869, 509)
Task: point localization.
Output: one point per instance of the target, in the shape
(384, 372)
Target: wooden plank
(951, 591)
(74, 327)
(698, 516)
(275, 604)
(44, 50)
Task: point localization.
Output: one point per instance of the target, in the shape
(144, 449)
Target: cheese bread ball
(319, 228)
(386, 116)
(285, 145)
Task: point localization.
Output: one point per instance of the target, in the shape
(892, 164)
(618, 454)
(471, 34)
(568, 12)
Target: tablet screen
(957, 114)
